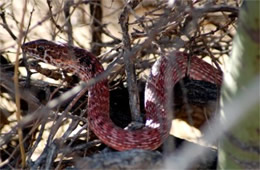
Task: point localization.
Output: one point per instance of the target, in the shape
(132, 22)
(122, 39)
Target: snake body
(86, 66)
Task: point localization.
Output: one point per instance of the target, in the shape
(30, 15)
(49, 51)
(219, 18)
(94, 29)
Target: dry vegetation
(56, 138)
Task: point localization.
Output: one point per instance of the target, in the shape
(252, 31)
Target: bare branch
(134, 100)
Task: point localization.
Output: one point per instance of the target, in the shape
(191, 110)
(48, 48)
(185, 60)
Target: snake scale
(85, 65)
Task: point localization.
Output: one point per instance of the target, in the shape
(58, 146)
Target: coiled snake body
(86, 66)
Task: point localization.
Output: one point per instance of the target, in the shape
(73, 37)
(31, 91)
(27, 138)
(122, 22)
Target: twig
(58, 123)
(68, 25)
(29, 73)
(217, 8)
(37, 141)
(7, 83)
(74, 123)
(86, 145)
(72, 126)
(16, 83)
(211, 55)
(40, 159)
(134, 100)
(96, 27)
(51, 154)
(51, 16)
(6, 27)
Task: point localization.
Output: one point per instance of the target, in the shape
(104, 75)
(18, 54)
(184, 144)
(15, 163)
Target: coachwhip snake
(86, 66)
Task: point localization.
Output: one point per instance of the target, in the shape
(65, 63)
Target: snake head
(37, 49)
(69, 58)
(58, 55)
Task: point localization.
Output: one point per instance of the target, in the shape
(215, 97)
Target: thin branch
(51, 16)
(6, 27)
(134, 100)
(68, 25)
(217, 8)
(7, 83)
(96, 27)
(16, 82)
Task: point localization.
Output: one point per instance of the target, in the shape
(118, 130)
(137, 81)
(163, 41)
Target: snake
(157, 122)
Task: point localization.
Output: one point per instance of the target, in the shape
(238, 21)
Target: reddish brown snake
(86, 66)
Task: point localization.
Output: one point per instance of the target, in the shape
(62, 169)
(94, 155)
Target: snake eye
(41, 50)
